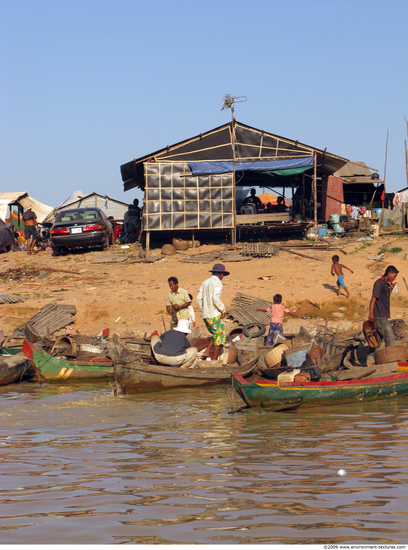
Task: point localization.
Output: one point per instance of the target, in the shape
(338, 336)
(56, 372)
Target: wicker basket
(232, 355)
(180, 244)
(390, 354)
(273, 358)
(168, 250)
(196, 244)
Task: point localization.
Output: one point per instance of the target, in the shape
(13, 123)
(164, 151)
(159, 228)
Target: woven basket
(391, 354)
(168, 249)
(232, 355)
(196, 244)
(273, 358)
(180, 244)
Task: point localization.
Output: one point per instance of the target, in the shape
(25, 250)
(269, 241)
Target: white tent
(25, 201)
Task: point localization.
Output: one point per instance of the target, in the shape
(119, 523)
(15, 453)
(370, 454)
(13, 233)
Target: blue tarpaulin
(268, 166)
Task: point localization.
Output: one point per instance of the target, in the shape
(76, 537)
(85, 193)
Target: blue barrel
(377, 211)
(322, 230)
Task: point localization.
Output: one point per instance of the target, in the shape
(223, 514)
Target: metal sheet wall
(176, 200)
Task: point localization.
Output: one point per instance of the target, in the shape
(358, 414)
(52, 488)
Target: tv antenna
(229, 102)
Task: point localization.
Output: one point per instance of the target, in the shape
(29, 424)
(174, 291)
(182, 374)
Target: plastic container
(287, 376)
(385, 225)
(322, 230)
(375, 229)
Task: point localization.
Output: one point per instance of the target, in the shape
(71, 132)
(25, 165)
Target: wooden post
(234, 195)
(302, 210)
(192, 239)
(147, 242)
(406, 160)
(315, 191)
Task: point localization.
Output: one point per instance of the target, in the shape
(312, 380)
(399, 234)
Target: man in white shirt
(212, 309)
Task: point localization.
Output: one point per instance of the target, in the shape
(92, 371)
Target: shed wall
(108, 206)
(176, 200)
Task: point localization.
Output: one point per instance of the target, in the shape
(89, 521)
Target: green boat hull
(52, 369)
(271, 395)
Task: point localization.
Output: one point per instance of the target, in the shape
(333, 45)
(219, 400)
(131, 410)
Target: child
(278, 312)
(338, 270)
(191, 314)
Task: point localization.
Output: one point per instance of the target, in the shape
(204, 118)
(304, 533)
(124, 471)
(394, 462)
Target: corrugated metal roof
(353, 169)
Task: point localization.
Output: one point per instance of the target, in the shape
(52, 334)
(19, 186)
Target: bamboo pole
(315, 191)
(406, 153)
(385, 162)
(234, 201)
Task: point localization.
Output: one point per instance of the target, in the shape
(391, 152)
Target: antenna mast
(229, 102)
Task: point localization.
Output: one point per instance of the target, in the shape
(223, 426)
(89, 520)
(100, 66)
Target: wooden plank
(256, 218)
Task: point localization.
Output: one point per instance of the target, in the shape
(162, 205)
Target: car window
(75, 215)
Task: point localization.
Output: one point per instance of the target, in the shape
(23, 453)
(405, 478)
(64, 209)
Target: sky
(88, 85)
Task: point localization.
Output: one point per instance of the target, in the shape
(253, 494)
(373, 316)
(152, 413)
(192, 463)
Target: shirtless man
(338, 270)
(30, 229)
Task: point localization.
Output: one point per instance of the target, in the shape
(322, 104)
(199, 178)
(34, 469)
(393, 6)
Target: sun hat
(219, 268)
(183, 326)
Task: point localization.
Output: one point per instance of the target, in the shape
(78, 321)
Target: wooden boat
(14, 368)
(53, 369)
(134, 376)
(140, 378)
(10, 351)
(270, 394)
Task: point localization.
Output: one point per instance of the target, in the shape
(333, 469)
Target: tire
(56, 251)
(247, 330)
(105, 243)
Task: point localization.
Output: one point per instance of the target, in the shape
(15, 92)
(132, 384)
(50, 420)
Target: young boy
(338, 270)
(278, 312)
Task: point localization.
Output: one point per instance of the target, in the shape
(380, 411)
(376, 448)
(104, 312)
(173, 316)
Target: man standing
(379, 310)
(30, 229)
(134, 215)
(212, 309)
(172, 348)
(178, 301)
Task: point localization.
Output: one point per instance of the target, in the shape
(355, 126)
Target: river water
(78, 465)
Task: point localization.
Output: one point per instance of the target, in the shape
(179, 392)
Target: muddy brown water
(78, 465)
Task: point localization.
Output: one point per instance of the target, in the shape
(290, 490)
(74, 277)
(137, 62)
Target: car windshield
(80, 214)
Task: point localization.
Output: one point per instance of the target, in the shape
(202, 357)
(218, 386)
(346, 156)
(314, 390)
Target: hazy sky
(88, 85)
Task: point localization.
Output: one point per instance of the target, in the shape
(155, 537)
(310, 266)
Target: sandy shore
(130, 297)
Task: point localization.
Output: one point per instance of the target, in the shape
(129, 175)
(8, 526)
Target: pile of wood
(244, 312)
(49, 319)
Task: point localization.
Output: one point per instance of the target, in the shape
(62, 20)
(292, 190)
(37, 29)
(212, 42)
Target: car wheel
(56, 251)
(105, 243)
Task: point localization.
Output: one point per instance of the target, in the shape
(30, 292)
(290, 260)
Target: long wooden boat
(134, 376)
(53, 369)
(137, 377)
(272, 395)
(14, 368)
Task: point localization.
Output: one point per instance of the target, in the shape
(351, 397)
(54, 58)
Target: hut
(193, 186)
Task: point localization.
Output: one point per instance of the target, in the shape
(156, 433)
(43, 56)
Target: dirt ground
(129, 298)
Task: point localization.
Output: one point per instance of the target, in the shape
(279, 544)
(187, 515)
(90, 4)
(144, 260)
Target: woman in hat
(213, 310)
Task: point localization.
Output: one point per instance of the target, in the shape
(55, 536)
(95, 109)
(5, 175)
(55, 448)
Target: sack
(302, 377)
(314, 372)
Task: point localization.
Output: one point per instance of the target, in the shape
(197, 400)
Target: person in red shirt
(278, 312)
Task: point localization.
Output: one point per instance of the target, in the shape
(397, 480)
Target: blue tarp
(224, 167)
